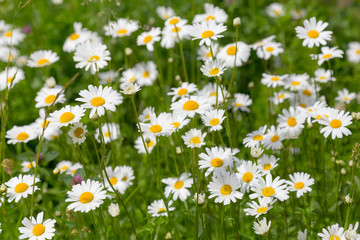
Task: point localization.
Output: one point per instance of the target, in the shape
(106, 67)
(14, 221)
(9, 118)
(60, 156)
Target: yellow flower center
(214, 121)
(358, 51)
(281, 96)
(113, 180)
(322, 78)
(10, 79)
(295, 83)
(64, 168)
(97, 101)
(131, 79)
(335, 123)
(176, 124)
(74, 36)
(21, 187)
(217, 162)
(122, 31)
(302, 105)
(49, 99)
(94, 58)
(79, 132)
(274, 138)
(247, 177)
(212, 94)
(210, 18)
(214, 71)
(326, 56)
(195, 140)
(231, 50)
(155, 128)
(107, 134)
(124, 178)
(333, 237)
(176, 29)
(307, 92)
(208, 55)
(269, 49)
(149, 144)
(299, 185)
(147, 39)
(174, 21)
(267, 166)
(30, 165)
(190, 105)
(261, 210)
(291, 122)
(258, 137)
(178, 184)
(86, 197)
(313, 34)
(275, 79)
(38, 230)
(8, 34)
(66, 117)
(268, 191)
(238, 104)
(182, 91)
(22, 136)
(226, 189)
(161, 210)
(43, 61)
(346, 98)
(207, 34)
(146, 74)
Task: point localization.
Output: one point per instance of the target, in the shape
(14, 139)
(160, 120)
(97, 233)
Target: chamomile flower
(178, 186)
(207, 31)
(270, 188)
(269, 49)
(255, 138)
(146, 73)
(280, 97)
(345, 96)
(215, 160)
(45, 97)
(79, 36)
(127, 175)
(64, 166)
(213, 119)
(191, 105)
(10, 76)
(204, 52)
(353, 52)
(86, 196)
(300, 183)
(262, 227)
(335, 123)
(129, 76)
(121, 28)
(212, 13)
(91, 56)
(12, 37)
(183, 91)
(26, 166)
(247, 173)
(194, 138)
(327, 54)
(20, 187)
(72, 170)
(224, 187)
(302, 235)
(150, 142)
(146, 113)
(332, 232)
(214, 93)
(292, 121)
(37, 228)
(115, 178)
(273, 138)
(149, 38)
(323, 76)
(77, 133)
(257, 209)
(110, 132)
(65, 116)
(242, 102)
(165, 12)
(9, 54)
(158, 208)
(213, 68)
(158, 126)
(275, 10)
(99, 99)
(108, 77)
(42, 58)
(261, 43)
(178, 121)
(20, 134)
(313, 33)
(267, 163)
(351, 234)
(234, 54)
(297, 14)
(129, 88)
(273, 80)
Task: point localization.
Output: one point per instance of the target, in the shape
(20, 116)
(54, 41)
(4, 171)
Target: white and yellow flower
(37, 228)
(65, 116)
(20, 187)
(42, 58)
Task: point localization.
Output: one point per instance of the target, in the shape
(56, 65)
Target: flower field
(179, 119)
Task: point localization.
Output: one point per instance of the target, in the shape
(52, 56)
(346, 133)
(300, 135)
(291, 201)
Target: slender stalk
(182, 55)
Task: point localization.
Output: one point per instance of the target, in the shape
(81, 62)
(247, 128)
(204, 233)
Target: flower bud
(56, 171)
(50, 82)
(200, 200)
(128, 51)
(114, 210)
(256, 152)
(237, 22)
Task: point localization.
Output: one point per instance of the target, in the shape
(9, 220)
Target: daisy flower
(313, 33)
(332, 232)
(91, 56)
(273, 138)
(121, 28)
(345, 96)
(353, 52)
(64, 166)
(297, 14)
(323, 76)
(20, 134)
(215, 160)
(146, 73)
(302, 235)
(116, 180)
(99, 99)
(275, 10)
(214, 93)
(65, 116)
(267, 163)
(45, 97)
(260, 43)
(86, 196)
(213, 119)
(10, 76)
(178, 121)
(72, 170)
(26, 166)
(127, 175)
(206, 31)
(149, 38)
(77, 133)
(224, 188)
(150, 142)
(234, 54)
(351, 233)
(335, 123)
(183, 91)
(158, 126)
(212, 13)
(279, 97)
(262, 227)
(204, 52)
(178, 186)
(194, 138)
(165, 12)
(247, 173)
(255, 138)
(108, 77)
(257, 209)
(191, 105)
(20, 187)
(42, 58)
(9, 54)
(273, 80)
(79, 35)
(158, 208)
(213, 68)
(110, 132)
(129, 88)
(129, 76)
(327, 54)
(146, 113)
(300, 183)
(270, 188)
(242, 102)
(269, 49)
(292, 121)
(12, 37)
(37, 228)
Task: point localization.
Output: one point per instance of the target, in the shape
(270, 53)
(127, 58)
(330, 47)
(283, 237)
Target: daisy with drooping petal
(353, 52)
(194, 138)
(165, 12)
(190, 106)
(86, 196)
(275, 10)
(10, 76)
(273, 80)
(212, 13)
(79, 36)
(150, 142)
(146, 113)
(20, 187)
(91, 56)
(215, 160)
(37, 229)
(129, 88)
(45, 97)
(267, 163)
(42, 58)
(99, 98)
(121, 28)
(300, 183)
(20, 134)
(213, 119)
(65, 116)
(247, 173)
(26, 166)
(313, 33)
(213, 68)
(327, 54)
(149, 38)
(234, 53)
(335, 123)
(110, 132)
(269, 49)
(292, 121)
(158, 208)
(345, 96)
(178, 186)
(257, 209)
(77, 133)
(332, 232)
(108, 77)
(273, 138)
(242, 102)
(146, 73)
(206, 31)
(158, 126)
(183, 91)
(270, 188)
(323, 76)
(224, 187)
(255, 138)
(261, 227)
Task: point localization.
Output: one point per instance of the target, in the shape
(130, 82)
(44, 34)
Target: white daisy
(178, 121)
(300, 183)
(65, 116)
(234, 53)
(146, 73)
(158, 126)
(260, 43)
(190, 106)
(224, 187)
(12, 37)
(255, 138)
(214, 93)
(10, 76)
(37, 229)
(332, 232)
(335, 123)
(273, 80)
(345, 96)
(21, 134)
(79, 36)
(242, 102)
(215, 160)
(262, 227)
(42, 58)
(149, 38)
(121, 28)
(292, 121)
(183, 91)
(212, 13)
(204, 52)
(26, 166)
(194, 138)
(267, 163)
(269, 49)
(206, 31)
(270, 188)
(108, 77)
(275, 10)
(178, 186)
(323, 76)
(213, 68)
(45, 97)
(353, 52)
(351, 234)
(257, 209)
(313, 33)
(150, 142)
(158, 208)
(164, 12)
(327, 54)
(273, 138)
(129, 75)
(279, 97)
(146, 113)
(110, 132)
(248, 174)
(64, 166)
(20, 187)
(77, 133)
(116, 179)
(213, 119)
